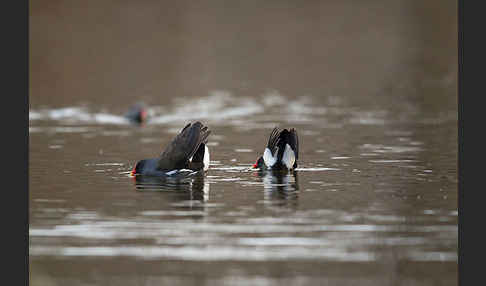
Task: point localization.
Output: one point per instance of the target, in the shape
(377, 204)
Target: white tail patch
(268, 157)
(288, 157)
(206, 158)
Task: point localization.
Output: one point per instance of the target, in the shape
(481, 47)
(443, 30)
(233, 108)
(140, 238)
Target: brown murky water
(373, 202)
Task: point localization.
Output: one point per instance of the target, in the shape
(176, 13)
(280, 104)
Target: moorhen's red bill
(187, 151)
(282, 151)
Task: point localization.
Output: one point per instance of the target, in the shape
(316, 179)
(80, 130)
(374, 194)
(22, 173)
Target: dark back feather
(177, 154)
(283, 138)
(272, 140)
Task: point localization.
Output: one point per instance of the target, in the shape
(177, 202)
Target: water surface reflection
(194, 188)
(280, 188)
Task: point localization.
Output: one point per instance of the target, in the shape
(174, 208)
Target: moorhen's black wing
(294, 142)
(177, 154)
(273, 139)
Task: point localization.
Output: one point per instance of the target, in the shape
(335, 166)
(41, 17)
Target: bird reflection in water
(280, 188)
(194, 188)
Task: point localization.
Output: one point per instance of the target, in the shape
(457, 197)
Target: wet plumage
(281, 152)
(187, 151)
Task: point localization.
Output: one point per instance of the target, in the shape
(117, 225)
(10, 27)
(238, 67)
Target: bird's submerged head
(142, 116)
(259, 163)
(137, 169)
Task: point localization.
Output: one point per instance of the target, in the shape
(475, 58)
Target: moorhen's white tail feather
(206, 158)
(294, 142)
(200, 160)
(269, 158)
(288, 157)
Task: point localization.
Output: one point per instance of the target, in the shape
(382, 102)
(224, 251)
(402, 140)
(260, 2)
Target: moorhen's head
(259, 163)
(137, 113)
(137, 169)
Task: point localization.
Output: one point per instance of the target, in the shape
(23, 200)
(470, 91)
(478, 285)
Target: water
(371, 87)
(373, 201)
